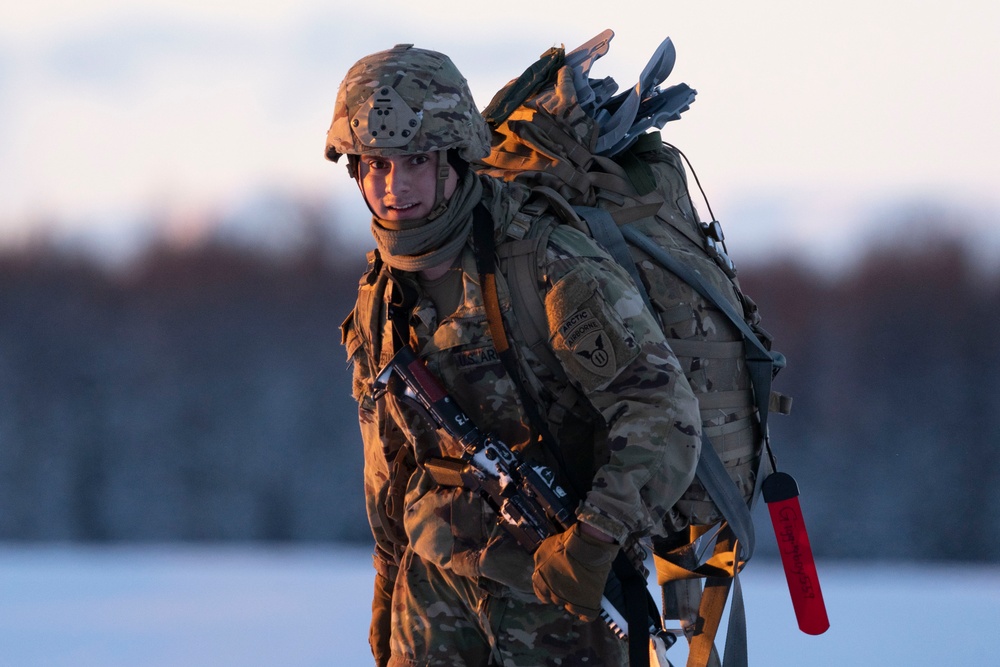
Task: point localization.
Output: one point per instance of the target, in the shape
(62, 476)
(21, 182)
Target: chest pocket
(462, 354)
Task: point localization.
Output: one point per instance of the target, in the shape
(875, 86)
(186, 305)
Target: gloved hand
(571, 569)
(378, 634)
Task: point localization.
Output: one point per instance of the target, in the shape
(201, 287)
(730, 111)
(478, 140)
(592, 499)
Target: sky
(815, 126)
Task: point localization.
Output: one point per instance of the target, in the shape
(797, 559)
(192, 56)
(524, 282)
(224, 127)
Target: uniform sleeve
(378, 449)
(612, 349)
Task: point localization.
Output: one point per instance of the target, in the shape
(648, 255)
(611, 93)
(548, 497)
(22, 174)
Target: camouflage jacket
(634, 429)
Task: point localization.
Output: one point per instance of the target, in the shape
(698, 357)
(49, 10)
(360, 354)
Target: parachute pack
(595, 156)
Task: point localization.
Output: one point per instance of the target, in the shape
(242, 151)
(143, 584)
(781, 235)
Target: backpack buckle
(715, 245)
(519, 225)
(720, 257)
(713, 230)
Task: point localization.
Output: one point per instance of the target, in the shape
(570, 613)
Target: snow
(305, 606)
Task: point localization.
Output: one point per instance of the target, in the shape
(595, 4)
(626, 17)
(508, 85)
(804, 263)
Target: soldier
(619, 423)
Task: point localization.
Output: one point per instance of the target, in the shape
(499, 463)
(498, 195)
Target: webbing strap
(736, 634)
(759, 359)
(520, 259)
(702, 651)
(607, 234)
(519, 262)
(721, 570)
(700, 611)
(550, 134)
(616, 178)
(634, 212)
(710, 349)
(482, 234)
(723, 400)
(513, 161)
(636, 611)
(399, 309)
(493, 317)
(712, 474)
(617, 183)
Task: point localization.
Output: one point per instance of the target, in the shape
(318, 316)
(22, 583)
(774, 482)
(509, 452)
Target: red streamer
(781, 494)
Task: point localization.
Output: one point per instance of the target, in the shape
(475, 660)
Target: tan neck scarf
(416, 245)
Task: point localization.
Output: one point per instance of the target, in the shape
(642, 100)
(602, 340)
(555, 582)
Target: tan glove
(571, 569)
(378, 634)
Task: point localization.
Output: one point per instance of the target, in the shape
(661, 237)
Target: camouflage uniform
(643, 423)
(461, 586)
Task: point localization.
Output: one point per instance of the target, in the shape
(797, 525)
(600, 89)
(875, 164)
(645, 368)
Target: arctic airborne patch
(578, 325)
(597, 354)
(584, 334)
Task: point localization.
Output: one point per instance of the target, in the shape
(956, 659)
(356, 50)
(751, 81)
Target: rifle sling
(638, 607)
(401, 302)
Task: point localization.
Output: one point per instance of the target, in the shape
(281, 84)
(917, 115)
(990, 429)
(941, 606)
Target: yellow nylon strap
(677, 564)
(718, 572)
(491, 301)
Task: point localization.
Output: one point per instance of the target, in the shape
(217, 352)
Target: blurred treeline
(201, 393)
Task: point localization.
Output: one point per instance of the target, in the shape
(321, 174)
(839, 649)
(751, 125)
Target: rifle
(529, 502)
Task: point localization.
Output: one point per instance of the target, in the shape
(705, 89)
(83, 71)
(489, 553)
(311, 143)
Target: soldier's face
(402, 187)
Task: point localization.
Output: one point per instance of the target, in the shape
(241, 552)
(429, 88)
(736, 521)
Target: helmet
(406, 100)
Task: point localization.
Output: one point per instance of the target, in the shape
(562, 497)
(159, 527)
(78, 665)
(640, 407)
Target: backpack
(595, 158)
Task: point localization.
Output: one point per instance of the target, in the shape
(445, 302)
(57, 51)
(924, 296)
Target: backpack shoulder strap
(521, 262)
(606, 232)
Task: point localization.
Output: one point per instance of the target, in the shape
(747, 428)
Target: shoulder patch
(596, 351)
(586, 333)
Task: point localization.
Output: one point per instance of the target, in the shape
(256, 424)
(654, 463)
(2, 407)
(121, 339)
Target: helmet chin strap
(354, 169)
(443, 172)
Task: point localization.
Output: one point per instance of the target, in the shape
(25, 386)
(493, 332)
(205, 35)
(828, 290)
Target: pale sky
(812, 119)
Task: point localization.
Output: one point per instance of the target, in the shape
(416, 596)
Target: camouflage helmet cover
(406, 100)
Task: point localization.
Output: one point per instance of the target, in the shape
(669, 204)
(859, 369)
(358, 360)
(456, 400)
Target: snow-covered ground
(298, 607)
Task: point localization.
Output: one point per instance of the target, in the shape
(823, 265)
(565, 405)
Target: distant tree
(892, 434)
(202, 393)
